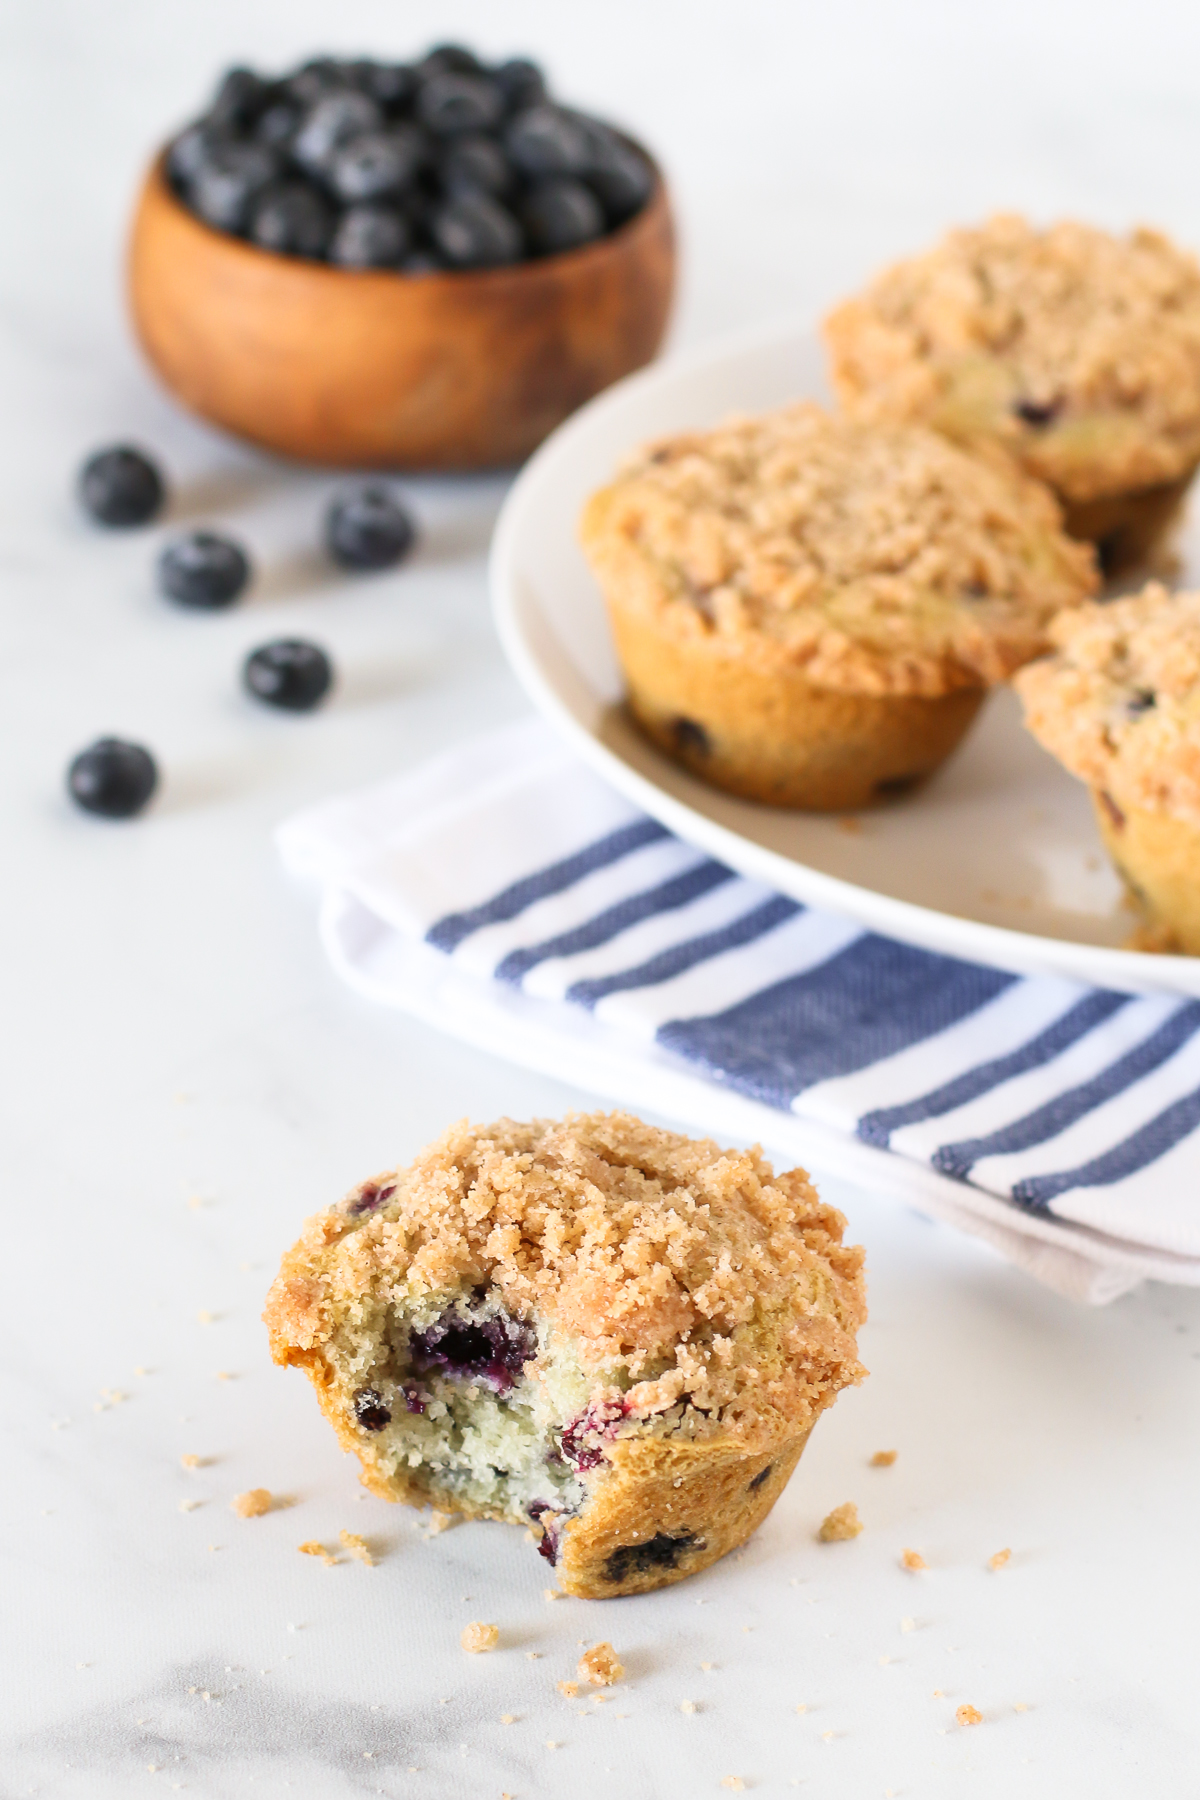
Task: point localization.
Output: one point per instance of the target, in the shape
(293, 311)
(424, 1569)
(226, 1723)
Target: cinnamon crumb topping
(1119, 705)
(876, 560)
(1078, 350)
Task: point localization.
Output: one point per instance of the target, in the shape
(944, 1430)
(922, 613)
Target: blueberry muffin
(611, 1334)
(809, 611)
(1119, 706)
(1077, 351)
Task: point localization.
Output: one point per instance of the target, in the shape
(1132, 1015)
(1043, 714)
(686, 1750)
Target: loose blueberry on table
(203, 570)
(121, 486)
(288, 673)
(462, 165)
(112, 778)
(368, 529)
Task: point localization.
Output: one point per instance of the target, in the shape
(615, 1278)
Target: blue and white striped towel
(508, 896)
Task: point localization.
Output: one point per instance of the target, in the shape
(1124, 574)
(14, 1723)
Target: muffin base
(775, 737)
(1158, 857)
(1127, 529)
(656, 1511)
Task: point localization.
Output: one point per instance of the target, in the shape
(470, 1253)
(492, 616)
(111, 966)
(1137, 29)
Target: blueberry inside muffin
(1077, 350)
(614, 1335)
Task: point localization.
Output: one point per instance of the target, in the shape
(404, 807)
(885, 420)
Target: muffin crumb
(841, 1524)
(568, 1689)
(998, 1561)
(883, 1459)
(969, 1715)
(358, 1547)
(253, 1503)
(599, 1666)
(312, 1548)
(478, 1637)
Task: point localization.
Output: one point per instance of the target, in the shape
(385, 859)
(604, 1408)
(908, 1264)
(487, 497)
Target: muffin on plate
(615, 1335)
(1119, 706)
(1077, 351)
(809, 610)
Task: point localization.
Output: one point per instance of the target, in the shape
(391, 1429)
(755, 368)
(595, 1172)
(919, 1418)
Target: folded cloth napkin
(507, 895)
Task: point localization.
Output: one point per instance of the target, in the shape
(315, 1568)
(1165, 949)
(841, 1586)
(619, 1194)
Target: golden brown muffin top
(1120, 703)
(690, 1270)
(1078, 350)
(879, 560)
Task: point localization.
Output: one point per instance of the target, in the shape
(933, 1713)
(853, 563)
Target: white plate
(996, 859)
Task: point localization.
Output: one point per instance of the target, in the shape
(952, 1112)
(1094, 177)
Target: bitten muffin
(809, 611)
(1119, 706)
(1077, 351)
(613, 1334)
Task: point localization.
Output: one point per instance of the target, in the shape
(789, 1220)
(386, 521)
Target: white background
(183, 1080)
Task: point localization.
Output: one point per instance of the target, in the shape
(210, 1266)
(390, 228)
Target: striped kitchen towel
(507, 895)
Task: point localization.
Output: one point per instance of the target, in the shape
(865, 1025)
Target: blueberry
(121, 486)
(226, 185)
(112, 778)
(423, 262)
(561, 214)
(241, 95)
(474, 232)
(288, 673)
(370, 1409)
(369, 237)
(313, 80)
(203, 570)
(278, 125)
(662, 1551)
(293, 219)
(620, 178)
(521, 82)
(545, 140)
(378, 164)
(447, 59)
(1038, 413)
(1142, 701)
(191, 150)
(332, 121)
(448, 104)
(474, 165)
(368, 529)
(392, 84)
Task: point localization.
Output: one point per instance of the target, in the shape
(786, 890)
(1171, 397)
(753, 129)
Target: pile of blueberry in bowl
(446, 163)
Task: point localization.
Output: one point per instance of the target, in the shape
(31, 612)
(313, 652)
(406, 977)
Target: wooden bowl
(378, 369)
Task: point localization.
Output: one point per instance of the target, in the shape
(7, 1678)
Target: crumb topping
(599, 1666)
(684, 1273)
(1119, 705)
(883, 1459)
(841, 1524)
(253, 1503)
(357, 1547)
(313, 1548)
(478, 1637)
(1079, 350)
(912, 1559)
(877, 560)
(969, 1715)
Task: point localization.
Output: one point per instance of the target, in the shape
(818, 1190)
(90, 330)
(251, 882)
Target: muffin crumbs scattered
(478, 1637)
(358, 1547)
(969, 1715)
(735, 1782)
(568, 1689)
(912, 1559)
(253, 1503)
(599, 1666)
(841, 1524)
(438, 1522)
(688, 1706)
(998, 1561)
(188, 1461)
(883, 1459)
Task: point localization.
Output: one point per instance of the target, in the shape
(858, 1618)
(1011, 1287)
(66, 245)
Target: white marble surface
(183, 1080)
